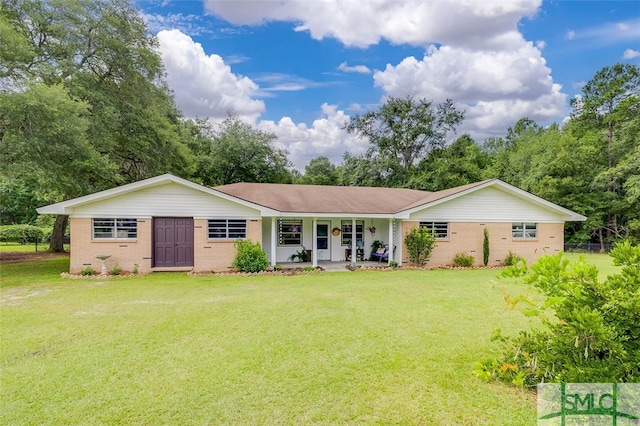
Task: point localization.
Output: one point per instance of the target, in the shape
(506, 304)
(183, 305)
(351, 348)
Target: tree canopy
(403, 132)
(235, 152)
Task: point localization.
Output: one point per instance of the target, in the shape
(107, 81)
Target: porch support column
(274, 243)
(391, 242)
(354, 247)
(314, 245)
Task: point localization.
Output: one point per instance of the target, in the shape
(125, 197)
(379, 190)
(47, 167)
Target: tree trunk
(56, 244)
(601, 241)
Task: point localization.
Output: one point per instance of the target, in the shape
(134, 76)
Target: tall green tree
(606, 117)
(403, 132)
(608, 100)
(236, 152)
(457, 164)
(511, 156)
(320, 171)
(101, 53)
(44, 145)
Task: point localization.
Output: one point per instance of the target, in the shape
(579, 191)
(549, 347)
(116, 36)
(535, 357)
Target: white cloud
(204, 85)
(236, 59)
(571, 35)
(609, 32)
(326, 137)
(279, 82)
(481, 61)
(630, 54)
(497, 88)
(362, 69)
(358, 23)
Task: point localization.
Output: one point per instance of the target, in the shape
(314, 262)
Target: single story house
(166, 223)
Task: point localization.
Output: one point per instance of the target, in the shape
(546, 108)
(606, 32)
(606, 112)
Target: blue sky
(301, 68)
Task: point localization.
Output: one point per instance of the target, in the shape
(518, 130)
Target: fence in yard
(590, 247)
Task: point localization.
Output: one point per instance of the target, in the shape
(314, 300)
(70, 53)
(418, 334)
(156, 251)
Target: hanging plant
(372, 229)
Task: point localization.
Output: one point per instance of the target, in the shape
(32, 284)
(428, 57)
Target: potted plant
(302, 255)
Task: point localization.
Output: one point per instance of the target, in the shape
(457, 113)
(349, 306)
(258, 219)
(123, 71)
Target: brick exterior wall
(468, 237)
(209, 255)
(126, 253)
(217, 255)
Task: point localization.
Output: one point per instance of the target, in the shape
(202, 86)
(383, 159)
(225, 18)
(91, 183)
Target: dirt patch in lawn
(17, 256)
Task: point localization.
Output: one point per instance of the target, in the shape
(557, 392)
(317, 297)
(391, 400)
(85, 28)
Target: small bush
(511, 259)
(393, 264)
(88, 271)
(464, 260)
(23, 234)
(419, 243)
(277, 267)
(116, 270)
(249, 257)
(135, 269)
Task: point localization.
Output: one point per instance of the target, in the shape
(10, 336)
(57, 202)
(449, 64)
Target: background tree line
(84, 107)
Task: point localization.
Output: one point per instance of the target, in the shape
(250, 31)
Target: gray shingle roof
(334, 199)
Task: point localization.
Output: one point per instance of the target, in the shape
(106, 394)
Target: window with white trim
(524, 230)
(114, 228)
(227, 228)
(347, 231)
(290, 232)
(439, 230)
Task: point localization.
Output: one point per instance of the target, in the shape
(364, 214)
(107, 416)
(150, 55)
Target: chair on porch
(382, 253)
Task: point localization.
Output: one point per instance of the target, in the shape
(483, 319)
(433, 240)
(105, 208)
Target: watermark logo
(616, 404)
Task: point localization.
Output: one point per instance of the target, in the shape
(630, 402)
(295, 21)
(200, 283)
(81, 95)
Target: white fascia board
(569, 215)
(66, 207)
(334, 215)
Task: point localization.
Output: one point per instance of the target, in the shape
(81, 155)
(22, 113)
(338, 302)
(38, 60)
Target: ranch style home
(167, 223)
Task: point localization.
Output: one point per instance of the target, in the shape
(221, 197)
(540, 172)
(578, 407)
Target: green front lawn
(324, 348)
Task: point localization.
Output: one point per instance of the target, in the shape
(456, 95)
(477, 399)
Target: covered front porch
(330, 239)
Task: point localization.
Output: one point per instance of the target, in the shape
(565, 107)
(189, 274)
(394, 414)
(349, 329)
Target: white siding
(166, 200)
(488, 205)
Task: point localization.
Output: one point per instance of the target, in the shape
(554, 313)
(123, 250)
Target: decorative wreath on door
(335, 231)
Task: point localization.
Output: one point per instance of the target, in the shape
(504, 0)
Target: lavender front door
(173, 242)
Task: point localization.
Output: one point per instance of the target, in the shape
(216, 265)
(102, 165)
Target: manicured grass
(324, 348)
(15, 247)
(603, 262)
(31, 247)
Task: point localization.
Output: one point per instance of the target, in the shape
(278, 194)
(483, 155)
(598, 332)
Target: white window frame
(524, 230)
(347, 234)
(226, 229)
(290, 232)
(436, 229)
(114, 228)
